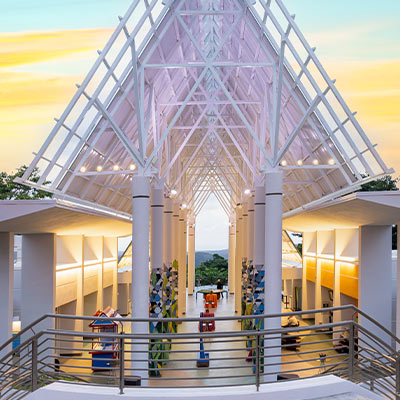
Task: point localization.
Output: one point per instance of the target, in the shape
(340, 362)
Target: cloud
(372, 88)
(32, 47)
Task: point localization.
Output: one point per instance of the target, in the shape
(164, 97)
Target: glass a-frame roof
(206, 94)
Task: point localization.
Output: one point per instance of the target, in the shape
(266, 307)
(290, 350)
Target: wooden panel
(349, 279)
(327, 273)
(310, 269)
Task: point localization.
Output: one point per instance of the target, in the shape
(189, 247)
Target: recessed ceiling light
(83, 169)
(300, 162)
(99, 168)
(331, 161)
(184, 205)
(174, 192)
(132, 167)
(315, 162)
(115, 167)
(283, 163)
(247, 192)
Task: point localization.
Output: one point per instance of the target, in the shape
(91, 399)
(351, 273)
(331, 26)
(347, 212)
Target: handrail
(351, 367)
(198, 319)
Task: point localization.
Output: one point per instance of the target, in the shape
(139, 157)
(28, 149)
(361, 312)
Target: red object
(211, 301)
(208, 326)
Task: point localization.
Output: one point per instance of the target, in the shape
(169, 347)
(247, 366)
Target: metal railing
(235, 357)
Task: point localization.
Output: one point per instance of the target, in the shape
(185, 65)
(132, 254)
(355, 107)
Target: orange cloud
(372, 88)
(33, 47)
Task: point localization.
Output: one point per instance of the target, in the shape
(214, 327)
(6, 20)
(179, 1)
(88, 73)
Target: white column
(273, 265)
(114, 300)
(38, 281)
(337, 315)
(167, 236)
(238, 259)
(191, 256)
(259, 226)
(375, 277)
(100, 278)
(80, 287)
(6, 285)
(175, 232)
(231, 257)
(317, 291)
(245, 232)
(140, 268)
(181, 264)
(157, 209)
(250, 229)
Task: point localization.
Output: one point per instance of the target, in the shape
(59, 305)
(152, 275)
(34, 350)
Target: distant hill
(202, 256)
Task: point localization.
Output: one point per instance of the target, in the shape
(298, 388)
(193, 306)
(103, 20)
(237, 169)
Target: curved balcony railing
(198, 359)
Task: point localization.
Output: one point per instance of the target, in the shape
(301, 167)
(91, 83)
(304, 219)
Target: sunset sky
(47, 46)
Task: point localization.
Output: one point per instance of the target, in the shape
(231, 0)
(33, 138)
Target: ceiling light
(174, 192)
(132, 167)
(284, 163)
(247, 192)
(315, 162)
(184, 205)
(299, 162)
(83, 169)
(99, 168)
(115, 167)
(331, 161)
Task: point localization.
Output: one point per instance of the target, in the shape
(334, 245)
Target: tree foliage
(211, 270)
(378, 185)
(10, 190)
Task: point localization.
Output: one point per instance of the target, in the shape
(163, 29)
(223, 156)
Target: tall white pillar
(100, 277)
(175, 232)
(259, 226)
(181, 237)
(238, 259)
(250, 230)
(245, 231)
(157, 210)
(375, 277)
(167, 236)
(318, 292)
(231, 257)
(140, 269)
(6, 285)
(273, 266)
(38, 276)
(191, 256)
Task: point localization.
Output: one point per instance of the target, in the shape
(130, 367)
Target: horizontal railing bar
(303, 369)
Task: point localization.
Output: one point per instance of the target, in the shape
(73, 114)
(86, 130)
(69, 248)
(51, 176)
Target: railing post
(351, 351)
(34, 366)
(121, 365)
(258, 361)
(398, 375)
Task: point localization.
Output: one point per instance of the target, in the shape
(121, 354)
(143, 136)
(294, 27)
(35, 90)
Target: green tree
(210, 271)
(379, 185)
(10, 190)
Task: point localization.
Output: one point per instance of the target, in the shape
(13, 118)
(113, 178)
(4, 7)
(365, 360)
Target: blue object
(16, 342)
(203, 358)
(102, 361)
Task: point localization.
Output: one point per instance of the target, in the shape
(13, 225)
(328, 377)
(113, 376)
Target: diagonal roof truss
(205, 94)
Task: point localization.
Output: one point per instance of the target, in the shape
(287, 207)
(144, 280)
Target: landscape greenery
(211, 270)
(10, 190)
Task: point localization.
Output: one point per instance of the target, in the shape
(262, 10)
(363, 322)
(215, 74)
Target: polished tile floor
(227, 357)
